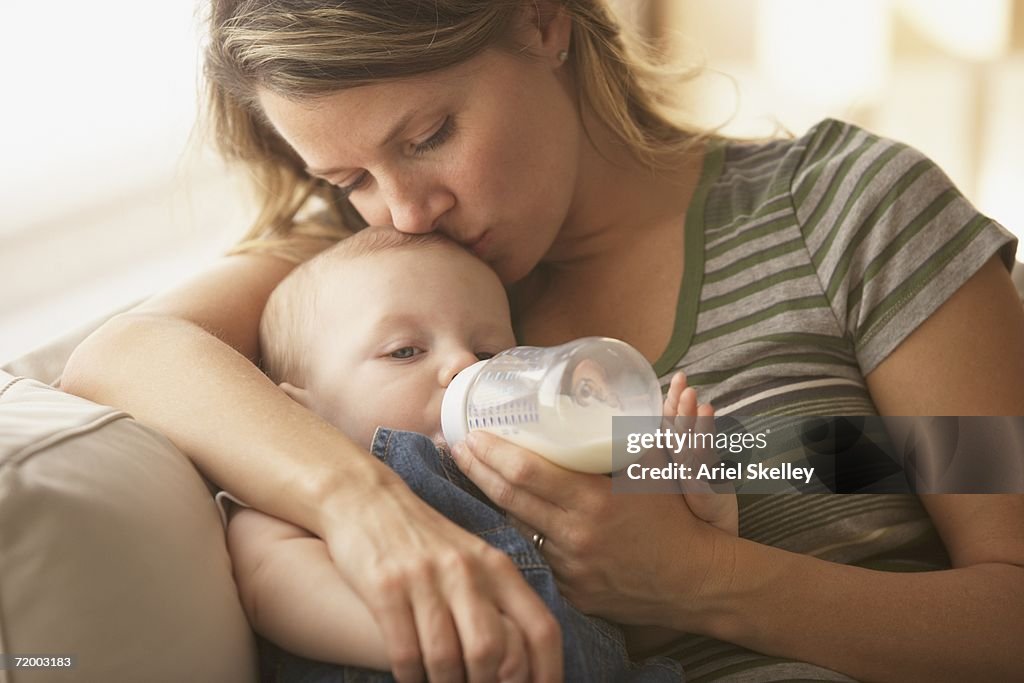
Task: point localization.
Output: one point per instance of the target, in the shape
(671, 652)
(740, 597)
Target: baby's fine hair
(292, 309)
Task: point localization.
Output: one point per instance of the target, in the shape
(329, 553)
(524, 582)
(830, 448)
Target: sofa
(112, 549)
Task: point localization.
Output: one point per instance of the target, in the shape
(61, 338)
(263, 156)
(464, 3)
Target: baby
(367, 334)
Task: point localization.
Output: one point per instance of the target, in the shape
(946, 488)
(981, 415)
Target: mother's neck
(619, 200)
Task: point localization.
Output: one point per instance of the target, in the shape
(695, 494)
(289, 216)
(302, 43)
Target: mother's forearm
(957, 624)
(215, 405)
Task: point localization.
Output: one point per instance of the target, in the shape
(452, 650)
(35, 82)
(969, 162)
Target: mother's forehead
(368, 109)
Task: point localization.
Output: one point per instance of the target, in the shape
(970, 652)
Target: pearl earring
(563, 55)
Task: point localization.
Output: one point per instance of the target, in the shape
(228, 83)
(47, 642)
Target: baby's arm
(718, 509)
(295, 596)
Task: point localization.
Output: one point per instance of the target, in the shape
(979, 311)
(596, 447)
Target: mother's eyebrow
(392, 133)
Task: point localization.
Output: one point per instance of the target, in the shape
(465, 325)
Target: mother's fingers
(439, 640)
(417, 580)
(520, 472)
(510, 476)
(515, 668)
(395, 618)
(532, 637)
(482, 630)
(542, 633)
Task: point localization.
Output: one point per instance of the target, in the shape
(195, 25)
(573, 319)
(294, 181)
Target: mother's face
(486, 152)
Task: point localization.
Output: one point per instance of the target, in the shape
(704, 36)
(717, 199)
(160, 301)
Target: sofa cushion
(111, 549)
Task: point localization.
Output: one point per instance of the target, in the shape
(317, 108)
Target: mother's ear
(549, 29)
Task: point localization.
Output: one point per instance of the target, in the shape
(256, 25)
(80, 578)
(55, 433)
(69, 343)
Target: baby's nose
(455, 365)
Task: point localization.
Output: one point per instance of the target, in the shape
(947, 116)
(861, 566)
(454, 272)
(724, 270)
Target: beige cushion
(1018, 278)
(111, 548)
(46, 362)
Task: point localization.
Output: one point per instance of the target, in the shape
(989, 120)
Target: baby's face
(394, 328)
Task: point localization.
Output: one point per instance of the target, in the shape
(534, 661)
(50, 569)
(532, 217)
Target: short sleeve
(889, 235)
(224, 501)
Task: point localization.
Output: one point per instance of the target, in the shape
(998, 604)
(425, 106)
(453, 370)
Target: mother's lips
(478, 245)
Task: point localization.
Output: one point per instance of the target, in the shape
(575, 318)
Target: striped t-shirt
(807, 262)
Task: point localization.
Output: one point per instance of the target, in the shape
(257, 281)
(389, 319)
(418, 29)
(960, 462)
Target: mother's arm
(183, 363)
(956, 624)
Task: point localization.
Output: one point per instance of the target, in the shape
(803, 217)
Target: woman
(832, 274)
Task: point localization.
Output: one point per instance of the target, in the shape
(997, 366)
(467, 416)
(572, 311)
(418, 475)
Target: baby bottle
(558, 402)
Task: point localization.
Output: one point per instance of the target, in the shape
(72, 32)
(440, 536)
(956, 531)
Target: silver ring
(538, 540)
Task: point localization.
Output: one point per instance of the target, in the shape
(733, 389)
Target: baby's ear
(297, 394)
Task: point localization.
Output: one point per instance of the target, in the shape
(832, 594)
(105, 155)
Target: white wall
(946, 76)
(102, 198)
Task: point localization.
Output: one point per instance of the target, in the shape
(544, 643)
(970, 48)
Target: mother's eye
(439, 137)
(351, 187)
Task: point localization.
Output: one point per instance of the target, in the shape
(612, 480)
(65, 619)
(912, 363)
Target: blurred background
(108, 194)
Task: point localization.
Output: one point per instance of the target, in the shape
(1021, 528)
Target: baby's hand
(717, 509)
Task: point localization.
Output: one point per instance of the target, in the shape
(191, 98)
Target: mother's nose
(418, 210)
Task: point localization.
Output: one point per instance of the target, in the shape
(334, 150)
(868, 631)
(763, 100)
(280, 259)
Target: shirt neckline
(693, 261)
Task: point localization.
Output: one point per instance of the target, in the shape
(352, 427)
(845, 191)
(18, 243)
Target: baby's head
(371, 331)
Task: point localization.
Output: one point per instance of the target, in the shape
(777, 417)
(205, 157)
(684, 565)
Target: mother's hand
(448, 604)
(632, 558)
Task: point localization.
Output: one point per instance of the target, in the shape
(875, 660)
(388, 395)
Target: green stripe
(905, 235)
(818, 162)
(819, 359)
(705, 652)
(758, 258)
(821, 524)
(838, 223)
(758, 286)
(750, 235)
(761, 661)
(783, 523)
(693, 268)
(892, 304)
(837, 183)
(711, 661)
(838, 276)
(774, 205)
(776, 512)
(840, 405)
(804, 303)
(809, 339)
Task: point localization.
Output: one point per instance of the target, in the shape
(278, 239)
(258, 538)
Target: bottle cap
(453, 404)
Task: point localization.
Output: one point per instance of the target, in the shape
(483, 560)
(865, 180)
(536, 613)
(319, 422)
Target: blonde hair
(291, 313)
(303, 49)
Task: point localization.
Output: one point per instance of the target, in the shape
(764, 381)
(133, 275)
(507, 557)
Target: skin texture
(438, 172)
(387, 360)
(379, 360)
(590, 239)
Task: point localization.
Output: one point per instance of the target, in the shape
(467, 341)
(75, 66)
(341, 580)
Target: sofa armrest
(111, 548)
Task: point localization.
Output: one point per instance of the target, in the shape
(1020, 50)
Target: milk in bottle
(558, 402)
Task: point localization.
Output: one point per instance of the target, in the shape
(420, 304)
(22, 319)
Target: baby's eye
(405, 352)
